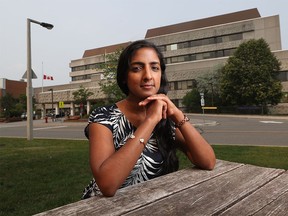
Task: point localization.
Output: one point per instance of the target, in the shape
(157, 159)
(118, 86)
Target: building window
(162, 48)
(283, 76)
(229, 52)
(219, 53)
(171, 47)
(182, 85)
(78, 68)
(196, 43)
(183, 45)
(171, 86)
(219, 39)
(235, 37)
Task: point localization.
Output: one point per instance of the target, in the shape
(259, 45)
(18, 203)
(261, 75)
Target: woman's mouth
(147, 86)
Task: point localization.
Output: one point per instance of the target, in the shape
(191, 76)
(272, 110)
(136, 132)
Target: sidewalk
(241, 116)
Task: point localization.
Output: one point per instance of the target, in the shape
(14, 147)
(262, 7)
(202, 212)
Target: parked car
(24, 116)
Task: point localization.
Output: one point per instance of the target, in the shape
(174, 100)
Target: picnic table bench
(230, 189)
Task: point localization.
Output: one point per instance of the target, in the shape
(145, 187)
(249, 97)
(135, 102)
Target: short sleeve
(101, 115)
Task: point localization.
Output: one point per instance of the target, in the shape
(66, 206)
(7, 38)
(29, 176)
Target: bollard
(46, 119)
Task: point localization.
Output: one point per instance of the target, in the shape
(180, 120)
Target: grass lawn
(43, 174)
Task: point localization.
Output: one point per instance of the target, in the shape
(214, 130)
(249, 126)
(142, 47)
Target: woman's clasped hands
(161, 106)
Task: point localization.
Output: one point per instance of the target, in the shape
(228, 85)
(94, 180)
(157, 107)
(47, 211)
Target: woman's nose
(147, 73)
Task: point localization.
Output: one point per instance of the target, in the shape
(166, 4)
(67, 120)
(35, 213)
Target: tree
(13, 107)
(209, 85)
(191, 100)
(249, 76)
(81, 96)
(22, 102)
(109, 83)
(7, 104)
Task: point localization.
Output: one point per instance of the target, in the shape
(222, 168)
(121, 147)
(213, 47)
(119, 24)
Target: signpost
(202, 101)
(61, 104)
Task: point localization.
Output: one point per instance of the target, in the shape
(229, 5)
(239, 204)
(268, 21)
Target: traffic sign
(61, 104)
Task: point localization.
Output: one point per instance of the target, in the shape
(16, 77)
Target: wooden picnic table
(230, 189)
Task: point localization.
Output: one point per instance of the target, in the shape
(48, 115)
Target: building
(191, 49)
(12, 87)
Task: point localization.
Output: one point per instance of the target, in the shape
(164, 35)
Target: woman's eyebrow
(156, 62)
(139, 63)
(142, 63)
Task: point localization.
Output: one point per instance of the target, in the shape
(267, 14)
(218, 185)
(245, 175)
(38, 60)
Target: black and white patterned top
(149, 164)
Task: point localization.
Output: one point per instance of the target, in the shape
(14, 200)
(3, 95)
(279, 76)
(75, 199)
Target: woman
(136, 139)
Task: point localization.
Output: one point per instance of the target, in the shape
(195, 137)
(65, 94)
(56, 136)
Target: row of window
(202, 42)
(182, 85)
(174, 59)
(200, 56)
(82, 77)
(87, 67)
(189, 84)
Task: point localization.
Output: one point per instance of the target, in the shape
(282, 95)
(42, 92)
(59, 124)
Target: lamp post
(29, 77)
(52, 103)
(212, 91)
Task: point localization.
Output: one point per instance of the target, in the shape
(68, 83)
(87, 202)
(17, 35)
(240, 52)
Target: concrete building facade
(190, 49)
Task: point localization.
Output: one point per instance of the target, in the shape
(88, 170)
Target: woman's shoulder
(104, 112)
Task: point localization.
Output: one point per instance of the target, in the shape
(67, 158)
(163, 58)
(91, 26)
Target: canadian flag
(47, 77)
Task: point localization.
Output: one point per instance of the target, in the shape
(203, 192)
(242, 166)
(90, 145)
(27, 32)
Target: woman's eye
(155, 68)
(136, 68)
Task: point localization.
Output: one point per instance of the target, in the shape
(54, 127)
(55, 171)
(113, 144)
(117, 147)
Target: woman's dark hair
(163, 130)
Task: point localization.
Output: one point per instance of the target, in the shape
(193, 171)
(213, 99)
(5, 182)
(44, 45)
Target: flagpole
(42, 76)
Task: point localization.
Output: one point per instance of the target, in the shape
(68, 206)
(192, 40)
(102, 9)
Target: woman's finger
(164, 111)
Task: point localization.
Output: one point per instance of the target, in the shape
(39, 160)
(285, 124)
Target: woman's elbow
(108, 190)
(207, 164)
(108, 193)
(210, 164)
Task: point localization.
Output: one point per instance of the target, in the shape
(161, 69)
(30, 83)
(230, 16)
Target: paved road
(50, 130)
(245, 130)
(217, 129)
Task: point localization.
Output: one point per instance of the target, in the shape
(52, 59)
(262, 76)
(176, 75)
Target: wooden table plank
(214, 196)
(130, 198)
(279, 207)
(272, 198)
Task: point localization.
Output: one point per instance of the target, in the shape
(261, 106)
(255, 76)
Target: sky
(87, 24)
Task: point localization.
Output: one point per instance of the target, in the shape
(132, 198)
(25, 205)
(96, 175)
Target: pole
(42, 77)
(29, 89)
(29, 86)
(52, 102)
(212, 94)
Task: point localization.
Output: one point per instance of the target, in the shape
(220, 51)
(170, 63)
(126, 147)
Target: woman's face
(144, 74)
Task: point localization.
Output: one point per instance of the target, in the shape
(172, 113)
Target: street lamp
(211, 83)
(29, 77)
(52, 102)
